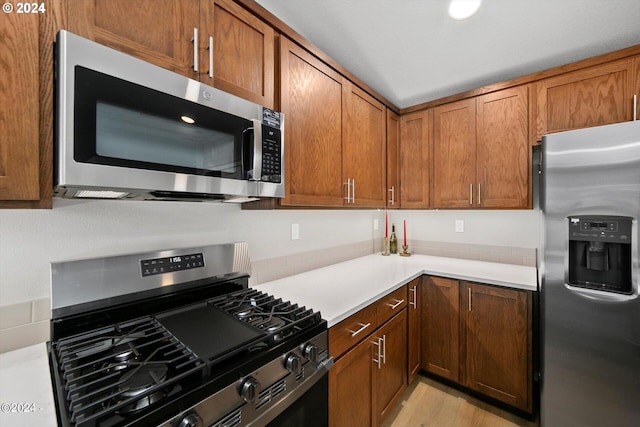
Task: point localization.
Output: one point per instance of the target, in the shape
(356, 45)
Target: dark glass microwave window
(120, 123)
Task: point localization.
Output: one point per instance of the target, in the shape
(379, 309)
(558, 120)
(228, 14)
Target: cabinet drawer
(390, 305)
(352, 330)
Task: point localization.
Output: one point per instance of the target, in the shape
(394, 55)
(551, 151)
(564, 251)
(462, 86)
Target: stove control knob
(310, 351)
(293, 364)
(249, 389)
(191, 420)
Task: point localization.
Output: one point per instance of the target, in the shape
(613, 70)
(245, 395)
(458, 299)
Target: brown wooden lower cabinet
(479, 336)
(413, 328)
(440, 327)
(496, 341)
(366, 382)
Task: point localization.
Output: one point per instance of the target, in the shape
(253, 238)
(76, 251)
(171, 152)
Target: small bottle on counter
(393, 240)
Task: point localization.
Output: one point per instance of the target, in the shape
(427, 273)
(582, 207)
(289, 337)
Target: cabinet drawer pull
(394, 306)
(471, 194)
(363, 326)
(479, 197)
(195, 49)
(393, 195)
(469, 299)
(414, 299)
(635, 107)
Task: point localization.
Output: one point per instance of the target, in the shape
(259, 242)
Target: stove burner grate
(278, 318)
(122, 369)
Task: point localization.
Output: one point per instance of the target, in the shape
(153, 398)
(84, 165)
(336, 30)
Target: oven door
(309, 410)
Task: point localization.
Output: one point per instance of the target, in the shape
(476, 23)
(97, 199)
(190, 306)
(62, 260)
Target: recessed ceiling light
(462, 9)
(187, 119)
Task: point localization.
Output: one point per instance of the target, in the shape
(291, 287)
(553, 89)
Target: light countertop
(342, 289)
(337, 291)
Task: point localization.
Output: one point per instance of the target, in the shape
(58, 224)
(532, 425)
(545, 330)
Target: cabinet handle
(471, 194)
(210, 57)
(353, 191)
(348, 184)
(469, 289)
(479, 196)
(384, 349)
(635, 107)
(195, 49)
(393, 195)
(378, 343)
(394, 306)
(363, 326)
(414, 302)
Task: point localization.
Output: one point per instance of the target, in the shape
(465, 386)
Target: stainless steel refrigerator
(590, 309)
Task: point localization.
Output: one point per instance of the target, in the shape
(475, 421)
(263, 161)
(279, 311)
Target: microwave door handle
(257, 150)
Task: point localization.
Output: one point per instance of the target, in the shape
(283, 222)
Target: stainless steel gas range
(177, 338)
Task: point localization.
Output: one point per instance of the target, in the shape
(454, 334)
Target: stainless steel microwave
(127, 129)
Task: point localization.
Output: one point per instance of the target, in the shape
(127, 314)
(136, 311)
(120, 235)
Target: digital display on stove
(150, 267)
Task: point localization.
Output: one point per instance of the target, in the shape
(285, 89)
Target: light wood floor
(427, 403)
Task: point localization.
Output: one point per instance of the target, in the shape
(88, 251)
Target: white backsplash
(31, 239)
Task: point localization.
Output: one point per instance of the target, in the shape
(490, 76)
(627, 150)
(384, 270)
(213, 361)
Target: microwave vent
(100, 194)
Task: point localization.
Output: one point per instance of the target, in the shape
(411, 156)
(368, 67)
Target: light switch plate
(375, 224)
(295, 231)
(459, 226)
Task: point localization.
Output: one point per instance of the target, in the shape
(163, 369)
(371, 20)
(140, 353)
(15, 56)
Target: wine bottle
(393, 240)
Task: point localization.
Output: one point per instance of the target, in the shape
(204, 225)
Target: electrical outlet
(459, 226)
(295, 231)
(375, 224)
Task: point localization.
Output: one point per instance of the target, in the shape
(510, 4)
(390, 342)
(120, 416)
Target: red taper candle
(405, 231)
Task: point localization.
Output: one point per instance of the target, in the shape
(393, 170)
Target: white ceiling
(411, 52)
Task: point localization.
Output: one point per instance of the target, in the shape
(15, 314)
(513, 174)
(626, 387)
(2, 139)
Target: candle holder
(385, 248)
(404, 251)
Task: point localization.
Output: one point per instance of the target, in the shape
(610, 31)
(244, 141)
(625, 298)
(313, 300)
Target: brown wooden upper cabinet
(393, 160)
(593, 96)
(214, 41)
(19, 144)
(311, 97)
(335, 135)
(415, 159)
(364, 155)
(481, 152)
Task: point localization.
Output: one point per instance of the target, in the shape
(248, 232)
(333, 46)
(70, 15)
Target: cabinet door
(19, 109)
(503, 150)
(454, 154)
(413, 326)
(157, 32)
(415, 159)
(592, 96)
(393, 160)
(497, 343)
(390, 377)
(311, 98)
(440, 327)
(364, 158)
(242, 59)
(350, 388)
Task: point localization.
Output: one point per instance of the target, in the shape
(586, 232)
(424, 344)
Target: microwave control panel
(271, 154)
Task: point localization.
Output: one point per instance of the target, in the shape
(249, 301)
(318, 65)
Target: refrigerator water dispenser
(600, 253)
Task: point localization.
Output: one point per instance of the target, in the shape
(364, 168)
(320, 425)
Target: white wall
(31, 239)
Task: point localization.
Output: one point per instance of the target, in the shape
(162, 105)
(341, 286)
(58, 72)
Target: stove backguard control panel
(150, 267)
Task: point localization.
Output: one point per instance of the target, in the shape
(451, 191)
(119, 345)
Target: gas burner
(243, 311)
(138, 381)
(273, 324)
